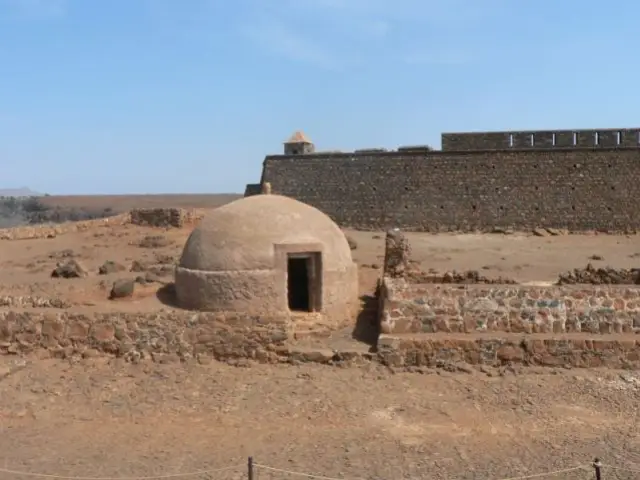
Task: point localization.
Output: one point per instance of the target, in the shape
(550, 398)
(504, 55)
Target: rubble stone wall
(179, 334)
(52, 231)
(459, 353)
(431, 308)
(164, 217)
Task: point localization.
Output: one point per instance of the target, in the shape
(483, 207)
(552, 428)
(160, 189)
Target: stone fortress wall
(580, 180)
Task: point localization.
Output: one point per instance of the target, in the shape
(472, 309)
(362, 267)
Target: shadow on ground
(167, 295)
(367, 329)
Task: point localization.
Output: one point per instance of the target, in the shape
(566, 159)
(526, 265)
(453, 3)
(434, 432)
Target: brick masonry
(466, 189)
(429, 308)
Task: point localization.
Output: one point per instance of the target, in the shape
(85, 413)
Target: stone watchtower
(298, 144)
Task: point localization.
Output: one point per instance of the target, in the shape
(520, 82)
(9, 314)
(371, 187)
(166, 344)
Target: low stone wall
(174, 336)
(429, 308)
(52, 231)
(155, 217)
(32, 301)
(164, 217)
(495, 352)
(178, 334)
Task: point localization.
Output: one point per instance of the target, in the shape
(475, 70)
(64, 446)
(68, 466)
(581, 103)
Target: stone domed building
(268, 255)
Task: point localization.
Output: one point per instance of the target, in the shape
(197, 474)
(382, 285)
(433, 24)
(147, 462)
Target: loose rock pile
(465, 277)
(600, 276)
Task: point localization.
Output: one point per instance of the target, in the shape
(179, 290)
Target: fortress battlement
(600, 139)
(580, 180)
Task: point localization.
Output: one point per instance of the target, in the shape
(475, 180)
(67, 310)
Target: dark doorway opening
(303, 282)
(298, 284)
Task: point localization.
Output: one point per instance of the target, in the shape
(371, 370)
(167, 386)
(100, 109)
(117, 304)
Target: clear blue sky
(154, 96)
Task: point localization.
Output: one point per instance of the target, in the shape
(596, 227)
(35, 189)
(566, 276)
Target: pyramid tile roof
(298, 137)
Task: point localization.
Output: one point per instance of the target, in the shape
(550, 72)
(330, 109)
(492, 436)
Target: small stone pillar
(266, 188)
(396, 254)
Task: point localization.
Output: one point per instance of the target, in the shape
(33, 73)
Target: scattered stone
(596, 257)
(502, 230)
(122, 288)
(66, 253)
(151, 277)
(557, 231)
(110, 267)
(138, 266)
(155, 241)
(467, 277)
(600, 276)
(162, 270)
(164, 259)
(540, 232)
(352, 243)
(69, 269)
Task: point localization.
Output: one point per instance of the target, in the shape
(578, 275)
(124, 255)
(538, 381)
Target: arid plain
(102, 417)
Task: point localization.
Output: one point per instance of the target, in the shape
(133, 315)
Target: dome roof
(241, 235)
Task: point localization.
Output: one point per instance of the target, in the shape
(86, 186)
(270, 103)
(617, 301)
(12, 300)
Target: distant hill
(18, 192)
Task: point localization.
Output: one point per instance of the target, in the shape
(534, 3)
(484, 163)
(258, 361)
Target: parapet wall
(575, 189)
(536, 139)
(430, 308)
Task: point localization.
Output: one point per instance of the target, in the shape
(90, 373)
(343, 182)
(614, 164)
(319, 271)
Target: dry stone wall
(174, 336)
(178, 334)
(458, 354)
(52, 231)
(164, 217)
(577, 189)
(155, 217)
(429, 308)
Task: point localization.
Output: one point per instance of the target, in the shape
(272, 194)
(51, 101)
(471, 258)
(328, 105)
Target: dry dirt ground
(104, 418)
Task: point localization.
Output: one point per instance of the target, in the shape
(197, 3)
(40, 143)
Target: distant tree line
(16, 211)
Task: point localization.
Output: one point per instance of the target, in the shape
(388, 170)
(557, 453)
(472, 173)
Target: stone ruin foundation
(424, 322)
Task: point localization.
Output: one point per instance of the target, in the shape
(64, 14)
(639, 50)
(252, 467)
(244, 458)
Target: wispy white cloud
(347, 32)
(33, 8)
(279, 40)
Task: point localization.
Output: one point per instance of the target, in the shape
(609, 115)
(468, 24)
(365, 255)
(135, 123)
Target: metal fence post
(597, 466)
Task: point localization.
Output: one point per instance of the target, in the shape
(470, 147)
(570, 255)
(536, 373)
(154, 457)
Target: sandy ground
(25, 266)
(103, 418)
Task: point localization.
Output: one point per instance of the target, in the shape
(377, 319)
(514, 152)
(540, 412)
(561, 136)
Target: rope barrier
(621, 468)
(279, 470)
(547, 474)
(322, 477)
(299, 474)
(154, 477)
